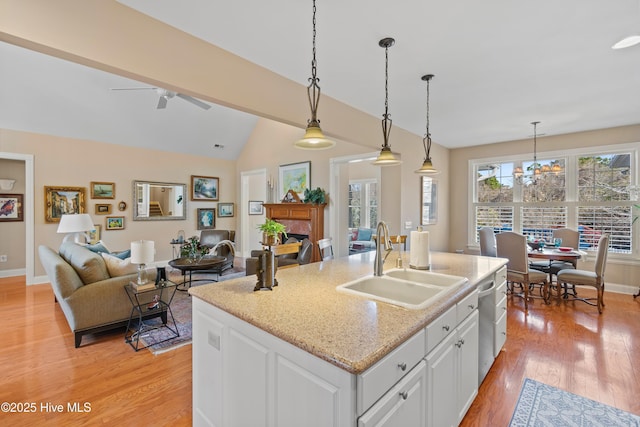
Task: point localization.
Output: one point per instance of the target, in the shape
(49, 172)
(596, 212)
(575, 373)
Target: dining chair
(487, 241)
(590, 278)
(326, 248)
(513, 246)
(571, 239)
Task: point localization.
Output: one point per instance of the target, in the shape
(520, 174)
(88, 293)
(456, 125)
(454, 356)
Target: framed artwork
(225, 210)
(205, 188)
(103, 209)
(296, 177)
(94, 235)
(103, 190)
(59, 201)
(255, 207)
(428, 200)
(11, 207)
(122, 205)
(115, 223)
(206, 219)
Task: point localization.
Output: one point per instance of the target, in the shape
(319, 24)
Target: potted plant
(192, 248)
(316, 197)
(271, 231)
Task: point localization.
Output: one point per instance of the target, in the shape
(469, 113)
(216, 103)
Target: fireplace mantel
(311, 215)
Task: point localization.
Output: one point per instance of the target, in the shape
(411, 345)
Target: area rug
(181, 309)
(543, 405)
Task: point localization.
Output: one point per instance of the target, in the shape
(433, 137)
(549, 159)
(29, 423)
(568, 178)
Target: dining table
(555, 254)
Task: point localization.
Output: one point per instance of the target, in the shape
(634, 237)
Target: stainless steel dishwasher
(486, 308)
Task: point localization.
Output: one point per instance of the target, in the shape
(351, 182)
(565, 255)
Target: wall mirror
(428, 200)
(156, 201)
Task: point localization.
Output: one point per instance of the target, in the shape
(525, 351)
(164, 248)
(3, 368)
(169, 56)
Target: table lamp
(76, 225)
(142, 252)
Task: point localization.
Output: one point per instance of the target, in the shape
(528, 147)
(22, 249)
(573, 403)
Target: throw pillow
(354, 234)
(119, 267)
(122, 254)
(98, 247)
(364, 234)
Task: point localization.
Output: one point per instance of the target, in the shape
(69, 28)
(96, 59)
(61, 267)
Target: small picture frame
(103, 190)
(59, 201)
(94, 235)
(205, 188)
(122, 206)
(11, 207)
(115, 223)
(103, 209)
(225, 210)
(206, 218)
(296, 177)
(255, 207)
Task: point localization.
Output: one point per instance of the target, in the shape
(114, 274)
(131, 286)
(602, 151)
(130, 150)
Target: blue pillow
(97, 247)
(123, 254)
(364, 233)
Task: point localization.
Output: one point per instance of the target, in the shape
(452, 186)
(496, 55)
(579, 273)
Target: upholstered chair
(487, 241)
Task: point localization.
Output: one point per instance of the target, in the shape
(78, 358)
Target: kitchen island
(306, 354)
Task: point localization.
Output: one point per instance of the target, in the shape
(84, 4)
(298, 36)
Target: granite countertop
(348, 331)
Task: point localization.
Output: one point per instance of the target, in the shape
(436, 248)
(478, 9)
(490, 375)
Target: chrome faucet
(382, 233)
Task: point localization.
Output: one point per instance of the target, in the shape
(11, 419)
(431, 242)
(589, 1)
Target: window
(592, 193)
(363, 204)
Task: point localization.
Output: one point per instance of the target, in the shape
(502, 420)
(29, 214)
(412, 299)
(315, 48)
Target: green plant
(272, 228)
(316, 197)
(192, 248)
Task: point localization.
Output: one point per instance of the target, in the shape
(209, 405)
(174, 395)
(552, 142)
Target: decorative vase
(269, 239)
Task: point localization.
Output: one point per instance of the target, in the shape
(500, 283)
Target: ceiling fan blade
(194, 101)
(162, 103)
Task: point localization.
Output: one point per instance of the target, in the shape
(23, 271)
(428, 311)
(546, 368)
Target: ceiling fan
(166, 95)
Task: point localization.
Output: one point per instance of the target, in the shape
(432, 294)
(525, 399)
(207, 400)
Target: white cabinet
(452, 374)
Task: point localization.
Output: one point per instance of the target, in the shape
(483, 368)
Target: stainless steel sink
(404, 293)
(426, 277)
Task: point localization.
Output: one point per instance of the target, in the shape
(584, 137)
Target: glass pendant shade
(314, 139)
(386, 158)
(427, 168)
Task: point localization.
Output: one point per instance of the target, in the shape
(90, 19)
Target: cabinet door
(403, 405)
(467, 352)
(442, 408)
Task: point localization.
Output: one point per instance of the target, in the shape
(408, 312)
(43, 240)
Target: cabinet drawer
(500, 292)
(440, 328)
(375, 381)
(501, 308)
(466, 306)
(501, 275)
(500, 335)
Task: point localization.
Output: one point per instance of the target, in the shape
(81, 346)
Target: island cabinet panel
(252, 378)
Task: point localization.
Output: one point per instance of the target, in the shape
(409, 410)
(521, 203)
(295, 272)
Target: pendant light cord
(313, 90)
(386, 121)
(426, 140)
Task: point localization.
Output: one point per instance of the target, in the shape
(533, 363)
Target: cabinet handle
(504, 333)
(504, 308)
(458, 344)
(446, 328)
(402, 366)
(404, 395)
(471, 306)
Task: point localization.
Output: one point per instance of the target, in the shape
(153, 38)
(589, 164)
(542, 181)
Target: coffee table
(189, 265)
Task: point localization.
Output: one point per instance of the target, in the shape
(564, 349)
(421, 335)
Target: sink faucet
(382, 233)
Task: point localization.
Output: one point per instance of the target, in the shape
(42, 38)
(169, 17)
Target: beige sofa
(92, 300)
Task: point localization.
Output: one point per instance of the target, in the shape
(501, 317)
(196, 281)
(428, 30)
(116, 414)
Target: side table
(147, 304)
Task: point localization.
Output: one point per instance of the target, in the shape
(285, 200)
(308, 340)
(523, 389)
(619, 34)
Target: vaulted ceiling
(498, 66)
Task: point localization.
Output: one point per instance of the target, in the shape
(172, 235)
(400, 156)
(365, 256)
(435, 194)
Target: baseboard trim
(13, 273)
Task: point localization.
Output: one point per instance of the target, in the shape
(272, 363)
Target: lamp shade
(75, 223)
(386, 158)
(142, 251)
(314, 139)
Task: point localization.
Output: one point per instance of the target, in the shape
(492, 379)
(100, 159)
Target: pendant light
(628, 41)
(538, 171)
(313, 138)
(427, 166)
(386, 157)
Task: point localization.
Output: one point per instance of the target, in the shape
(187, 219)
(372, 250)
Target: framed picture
(94, 235)
(206, 219)
(255, 207)
(103, 190)
(122, 205)
(428, 200)
(204, 188)
(225, 209)
(115, 223)
(63, 200)
(103, 209)
(11, 207)
(296, 177)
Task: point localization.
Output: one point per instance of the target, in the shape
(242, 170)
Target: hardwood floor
(567, 345)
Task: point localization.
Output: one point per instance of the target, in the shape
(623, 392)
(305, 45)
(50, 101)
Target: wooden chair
(513, 246)
(286, 249)
(326, 248)
(589, 278)
(487, 241)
